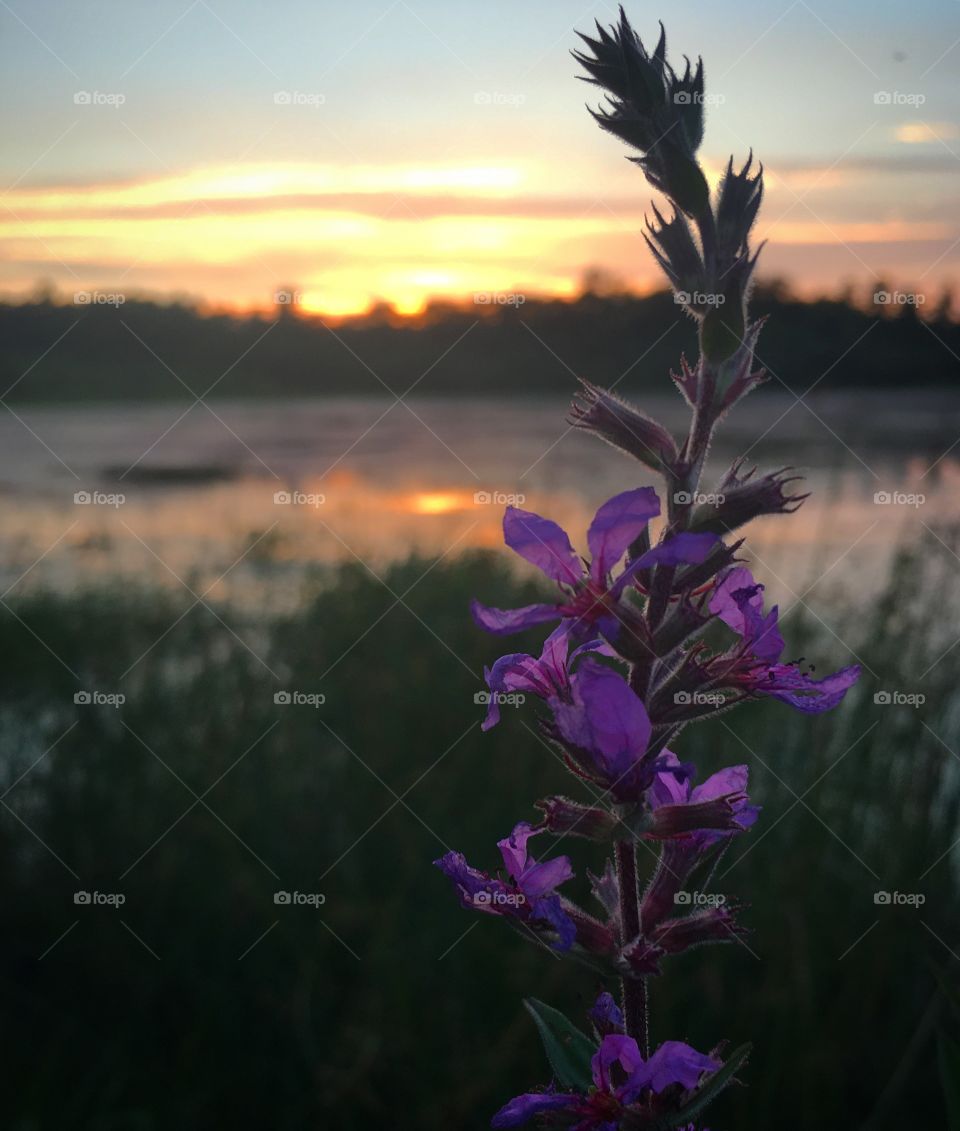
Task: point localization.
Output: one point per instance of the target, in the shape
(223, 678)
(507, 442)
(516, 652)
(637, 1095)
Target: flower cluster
(651, 632)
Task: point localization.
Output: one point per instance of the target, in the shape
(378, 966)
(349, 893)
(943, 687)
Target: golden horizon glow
(347, 237)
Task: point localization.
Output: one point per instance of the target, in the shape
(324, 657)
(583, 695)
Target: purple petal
(502, 622)
(521, 1109)
(731, 780)
(618, 523)
(673, 1063)
(614, 1049)
(543, 544)
(467, 880)
(738, 602)
(513, 849)
(550, 910)
(812, 696)
(542, 878)
(608, 719)
(668, 787)
(681, 549)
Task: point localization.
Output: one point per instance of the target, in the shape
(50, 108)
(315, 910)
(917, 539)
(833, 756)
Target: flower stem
(634, 990)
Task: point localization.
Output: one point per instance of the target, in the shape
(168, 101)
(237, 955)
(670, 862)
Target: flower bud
(742, 498)
(668, 821)
(569, 818)
(712, 925)
(623, 426)
(651, 109)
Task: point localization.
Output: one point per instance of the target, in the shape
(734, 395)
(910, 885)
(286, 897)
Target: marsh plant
(648, 636)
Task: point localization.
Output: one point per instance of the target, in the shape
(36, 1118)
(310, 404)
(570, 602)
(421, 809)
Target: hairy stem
(634, 990)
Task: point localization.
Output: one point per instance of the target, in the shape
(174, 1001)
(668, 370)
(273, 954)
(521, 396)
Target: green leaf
(708, 1091)
(948, 1055)
(568, 1049)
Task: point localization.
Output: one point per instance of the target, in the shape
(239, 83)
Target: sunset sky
(397, 151)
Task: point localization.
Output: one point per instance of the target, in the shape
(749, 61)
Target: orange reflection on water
(438, 502)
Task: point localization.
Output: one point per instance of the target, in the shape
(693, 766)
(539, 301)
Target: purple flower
(705, 813)
(621, 1078)
(606, 1015)
(548, 677)
(754, 665)
(528, 893)
(589, 597)
(605, 730)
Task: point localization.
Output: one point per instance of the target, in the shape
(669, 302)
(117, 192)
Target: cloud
(920, 133)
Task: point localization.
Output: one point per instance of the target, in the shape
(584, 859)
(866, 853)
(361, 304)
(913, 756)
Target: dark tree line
(132, 351)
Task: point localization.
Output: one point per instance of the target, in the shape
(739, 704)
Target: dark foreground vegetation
(200, 1002)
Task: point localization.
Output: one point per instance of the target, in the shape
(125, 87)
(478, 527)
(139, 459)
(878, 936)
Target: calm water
(375, 479)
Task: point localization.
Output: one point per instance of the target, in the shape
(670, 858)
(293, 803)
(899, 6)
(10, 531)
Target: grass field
(201, 1002)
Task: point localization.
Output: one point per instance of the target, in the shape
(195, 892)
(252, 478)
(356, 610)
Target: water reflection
(244, 501)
